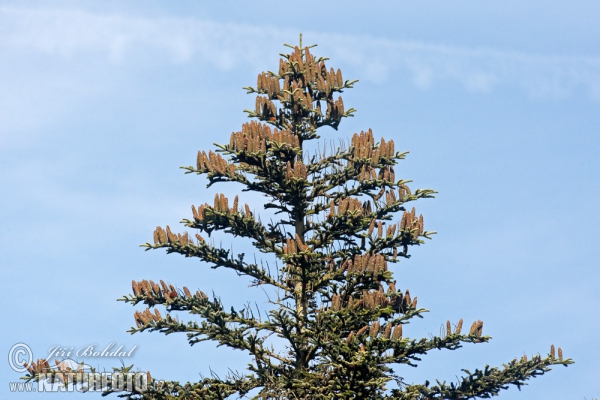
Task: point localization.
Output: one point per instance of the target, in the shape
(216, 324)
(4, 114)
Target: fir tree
(340, 221)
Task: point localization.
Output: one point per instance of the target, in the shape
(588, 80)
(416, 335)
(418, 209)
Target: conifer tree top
(341, 222)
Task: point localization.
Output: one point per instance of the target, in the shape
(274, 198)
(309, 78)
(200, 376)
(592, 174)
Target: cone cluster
(295, 63)
(402, 303)
(254, 137)
(377, 299)
(374, 329)
(39, 367)
(269, 84)
(328, 81)
(162, 236)
(364, 147)
(298, 171)
(336, 302)
(371, 264)
(372, 225)
(390, 197)
(347, 205)
(553, 353)
(396, 332)
(476, 328)
(284, 137)
(393, 332)
(294, 246)
(390, 331)
(367, 173)
(335, 109)
(265, 109)
(374, 299)
(42, 366)
(295, 91)
(403, 192)
(251, 138)
(390, 231)
(200, 213)
(387, 174)
(146, 316)
(221, 205)
(152, 290)
(307, 70)
(213, 162)
(305, 81)
(411, 223)
(457, 330)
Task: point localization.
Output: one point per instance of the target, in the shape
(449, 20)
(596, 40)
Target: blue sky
(498, 104)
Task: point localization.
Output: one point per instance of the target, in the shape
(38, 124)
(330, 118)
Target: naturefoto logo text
(69, 375)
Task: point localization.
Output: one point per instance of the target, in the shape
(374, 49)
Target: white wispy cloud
(120, 38)
(479, 70)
